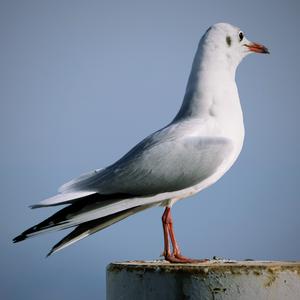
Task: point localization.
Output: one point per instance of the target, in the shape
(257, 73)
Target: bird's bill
(258, 48)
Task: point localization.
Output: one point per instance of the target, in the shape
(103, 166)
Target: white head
(220, 51)
(227, 45)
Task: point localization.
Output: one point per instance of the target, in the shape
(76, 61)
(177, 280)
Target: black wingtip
(19, 238)
(48, 254)
(34, 206)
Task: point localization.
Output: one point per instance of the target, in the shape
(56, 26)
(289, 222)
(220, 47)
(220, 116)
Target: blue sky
(82, 81)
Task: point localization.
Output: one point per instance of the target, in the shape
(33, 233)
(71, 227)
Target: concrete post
(214, 280)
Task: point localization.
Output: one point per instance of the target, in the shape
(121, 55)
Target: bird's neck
(211, 82)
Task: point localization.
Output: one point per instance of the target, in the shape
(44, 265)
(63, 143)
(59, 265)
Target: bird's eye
(241, 36)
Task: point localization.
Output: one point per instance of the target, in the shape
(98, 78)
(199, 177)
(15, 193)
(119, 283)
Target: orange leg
(175, 256)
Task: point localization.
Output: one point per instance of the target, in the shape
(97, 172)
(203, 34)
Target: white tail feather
(62, 198)
(101, 210)
(93, 229)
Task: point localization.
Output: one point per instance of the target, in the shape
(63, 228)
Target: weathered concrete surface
(213, 280)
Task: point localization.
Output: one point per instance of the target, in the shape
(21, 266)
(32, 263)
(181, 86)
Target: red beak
(258, 48)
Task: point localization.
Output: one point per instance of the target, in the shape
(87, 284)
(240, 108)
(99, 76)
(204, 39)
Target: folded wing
(147, 176)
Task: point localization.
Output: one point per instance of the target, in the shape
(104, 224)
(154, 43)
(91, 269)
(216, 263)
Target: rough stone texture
(213, 280)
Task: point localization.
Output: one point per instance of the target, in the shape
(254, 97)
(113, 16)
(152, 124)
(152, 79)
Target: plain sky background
(82, 81)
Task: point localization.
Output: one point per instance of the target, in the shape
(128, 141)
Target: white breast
(220, 118)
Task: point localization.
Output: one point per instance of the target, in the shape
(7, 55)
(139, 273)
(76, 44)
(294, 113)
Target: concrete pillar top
(213, 280)
(214, 265)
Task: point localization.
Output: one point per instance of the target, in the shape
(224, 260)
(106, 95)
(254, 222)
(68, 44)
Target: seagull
(181, 159)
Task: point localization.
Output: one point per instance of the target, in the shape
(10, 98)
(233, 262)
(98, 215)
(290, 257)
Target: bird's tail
(88, 215)
(85, 229)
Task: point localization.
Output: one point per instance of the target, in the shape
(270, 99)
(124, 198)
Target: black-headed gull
(179, 160)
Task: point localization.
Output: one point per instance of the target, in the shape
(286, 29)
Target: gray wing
(158, 165)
